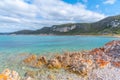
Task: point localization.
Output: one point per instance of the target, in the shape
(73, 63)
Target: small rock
(51, 77)
(54, 63)
(9, 75)
(28, 78)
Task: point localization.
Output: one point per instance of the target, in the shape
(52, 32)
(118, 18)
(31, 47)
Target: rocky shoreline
(98, 64)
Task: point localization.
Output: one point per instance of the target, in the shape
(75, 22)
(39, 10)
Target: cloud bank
(109, 2)
(34, 14)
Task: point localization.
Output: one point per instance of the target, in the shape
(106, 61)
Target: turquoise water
(48, 44)
(12, 46)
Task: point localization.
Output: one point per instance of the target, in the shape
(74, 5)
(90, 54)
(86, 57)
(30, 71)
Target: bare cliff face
(114, 23)
(64, 29)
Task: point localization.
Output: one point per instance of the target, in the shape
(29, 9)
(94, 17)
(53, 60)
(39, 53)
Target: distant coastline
(107, 35)
(108, 26)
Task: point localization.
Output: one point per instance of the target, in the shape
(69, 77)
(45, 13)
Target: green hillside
(109, 25)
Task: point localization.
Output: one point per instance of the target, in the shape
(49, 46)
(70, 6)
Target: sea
(13, 48)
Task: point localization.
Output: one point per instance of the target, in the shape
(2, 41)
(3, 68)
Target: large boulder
(112, 49)
(109, 53)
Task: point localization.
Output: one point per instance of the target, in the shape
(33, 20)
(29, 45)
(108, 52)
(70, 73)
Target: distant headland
(107, 26)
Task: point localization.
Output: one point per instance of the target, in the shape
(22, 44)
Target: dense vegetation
(109, 25)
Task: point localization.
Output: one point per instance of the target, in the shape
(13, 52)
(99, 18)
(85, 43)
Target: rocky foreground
(98, 64)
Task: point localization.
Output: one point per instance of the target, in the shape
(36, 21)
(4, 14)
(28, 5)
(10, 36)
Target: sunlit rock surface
(35, 61)
(9, 75)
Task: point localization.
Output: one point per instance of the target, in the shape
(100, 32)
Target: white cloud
(97, 6)
(43, 13)
(109, 1)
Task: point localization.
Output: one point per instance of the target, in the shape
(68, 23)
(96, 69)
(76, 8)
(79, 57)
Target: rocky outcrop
(112, 49)
(110, 53)
(81, 63)
(9, 75)
(75, 62)
(35, 61)
(116, 64)
(54, 63)
(102, 63)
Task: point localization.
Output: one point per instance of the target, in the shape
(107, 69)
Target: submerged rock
(35, 61)
(51, 77)
(31, 74)
(54, 63)
(28, 78)
(30, 59)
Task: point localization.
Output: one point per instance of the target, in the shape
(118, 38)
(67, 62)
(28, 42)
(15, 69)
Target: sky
(34, 14)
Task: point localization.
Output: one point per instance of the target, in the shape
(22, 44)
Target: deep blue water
(48, 44)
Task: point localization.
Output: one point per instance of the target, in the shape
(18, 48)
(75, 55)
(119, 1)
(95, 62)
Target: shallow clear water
(46, 44)
(11, 46)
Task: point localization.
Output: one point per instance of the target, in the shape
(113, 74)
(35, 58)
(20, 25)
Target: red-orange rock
(97, 51)
(89, 62)
(116, 64)
(9, 75)
(102, 63)
(3, 77)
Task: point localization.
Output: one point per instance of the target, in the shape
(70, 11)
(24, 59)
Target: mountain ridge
(109, 25)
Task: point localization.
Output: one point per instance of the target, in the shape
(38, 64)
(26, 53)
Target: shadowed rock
(54, 63)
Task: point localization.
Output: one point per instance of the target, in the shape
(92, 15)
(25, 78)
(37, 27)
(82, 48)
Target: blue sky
(34, 14)
(111, 8)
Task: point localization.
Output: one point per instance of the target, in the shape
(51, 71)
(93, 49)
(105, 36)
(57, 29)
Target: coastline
(93, 65)
(104, 35)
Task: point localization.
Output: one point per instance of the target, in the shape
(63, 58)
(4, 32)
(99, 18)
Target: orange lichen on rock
(89, 62)
(3, 77)
(35, 61)
(97, 51)
(102, 63)
(30, 58)
(9, 75)
(116, 64)
(42, 59)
